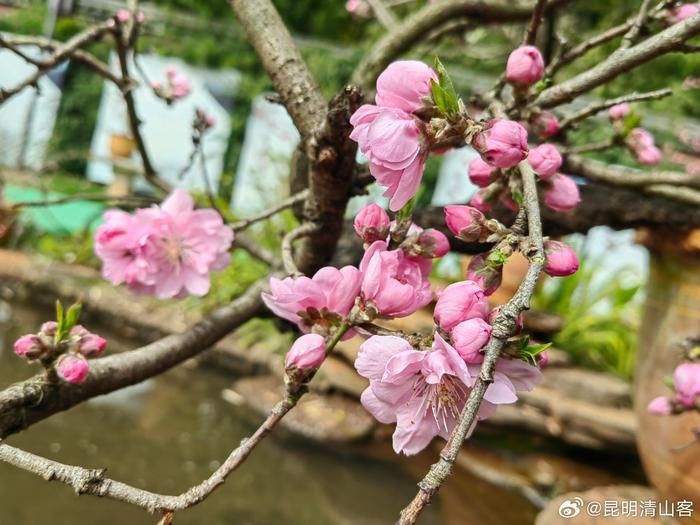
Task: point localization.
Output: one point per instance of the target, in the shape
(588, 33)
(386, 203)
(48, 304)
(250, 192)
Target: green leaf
(439, 96)
(497, 258)
(446, 98)
(406, 212)
(632, 120)
(59, 312)
(72, 316)
(517, 197)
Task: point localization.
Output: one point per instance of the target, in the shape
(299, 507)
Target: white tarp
(167, 129)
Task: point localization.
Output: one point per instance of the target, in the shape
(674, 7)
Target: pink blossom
(479, 202)
(542, 359)
(649, 156)
(155, 85)
(619, 111)
(170, 71)
(396, 284)
(49, 328)
(640, 138)
(391, 139)
(525, 65)
(686, 379)
(469, 337)
(308, 351)
(460, 302)
(358, 7)
(561, 259)
(180, 85)
(545, 159)
(660, 406)
(684, 11)
(503, 143)
(466, 222)
(72, 368)
(433, 243)
(546, 124)
(88, 344)
(372, 224)
(327, 296)
(562, 194)
(404, 84)
(29, 346)
(480, 173)
(123, 15)
(167, 250)
(423, 392)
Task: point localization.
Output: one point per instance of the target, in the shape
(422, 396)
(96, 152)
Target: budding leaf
(72, 317)
(449, 101)
(518, 197)
(632, 120)
(497, 258)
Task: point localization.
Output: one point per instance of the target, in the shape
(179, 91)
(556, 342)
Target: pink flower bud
(525, 66)
(29, 346)
(618, 111)
(404, 84)
(466, 222)
(49, 328)
(123, 15)
(542, 359)
(372, 224)
(649, 156)
(562, 194)
(469, 337)
(660, 406)
(479, 202)
(155, 85)
(545, 124)
(92, 345)
(545, 160)
(503, 143)
(561, 259)
(686, 379)
(639, 138)
(72, 368)
(484, 273)
(684, 11)
(460, 302)
(358, 7)
(480, 172)
(140, 17)
(433, 243)
(308, 351)
(210, 121)
(170, 71)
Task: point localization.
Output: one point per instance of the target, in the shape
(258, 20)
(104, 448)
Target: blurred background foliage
(333, 42)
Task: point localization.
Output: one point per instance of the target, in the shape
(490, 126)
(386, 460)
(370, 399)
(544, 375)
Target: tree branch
(620, 62)
(30, 401)
(266, 214)
(537, 14)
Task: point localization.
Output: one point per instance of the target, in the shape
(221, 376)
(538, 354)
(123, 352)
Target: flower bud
(460, 302)
(686, 379)
(29, 346)
(684, 11)
(545, 124)
(433, 243)
(660, 406)
(618, 111)
(525, 66)
(466, 222)
(562, 194)
(503, 143)
(469, 337)
(72, 368)
(92, 345)
(123, 15)
(372, 224)
(561, 259)
(545, 160)
(307, 352)
(542, 359)
(49, 328)
(480, 172)
(485, 273)
(649, 156)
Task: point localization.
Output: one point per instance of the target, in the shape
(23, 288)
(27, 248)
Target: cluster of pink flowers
(684, 11)
(390, 135)
(177, 85)
(424, 391)
(167, 250)
(686, 382)
(641, 142)
(124, 15)
(69, 355)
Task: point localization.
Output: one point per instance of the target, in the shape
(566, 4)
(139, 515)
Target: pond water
(170, 433)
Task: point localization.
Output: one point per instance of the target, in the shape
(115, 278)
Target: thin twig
(383, 14)
(639, 21)
(274, 210)
(134, 200)
(537, 13)
(288, 249)
(601, 106)
(588, 148)
(503, 327)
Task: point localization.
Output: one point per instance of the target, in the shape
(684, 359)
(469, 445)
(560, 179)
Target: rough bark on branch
(25, 403)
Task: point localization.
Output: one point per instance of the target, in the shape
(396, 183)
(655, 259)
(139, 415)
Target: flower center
(444, 399)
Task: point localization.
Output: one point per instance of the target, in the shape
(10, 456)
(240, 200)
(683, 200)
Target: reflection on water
(169, 433)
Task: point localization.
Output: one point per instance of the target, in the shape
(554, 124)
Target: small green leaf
(517, 197)
(59, 312)
(497, 258)
(406, 212)
(439, 96)
(446, 100)
(632, 120)
(72, 316)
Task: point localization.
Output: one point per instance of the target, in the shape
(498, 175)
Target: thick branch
(620, 62)
(25, 403)
(296, 86)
